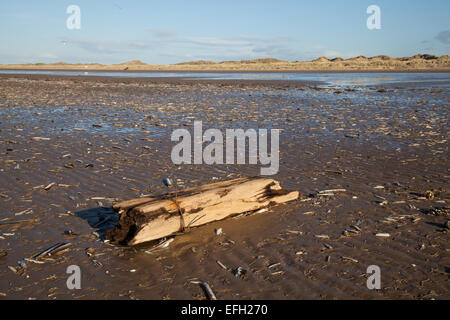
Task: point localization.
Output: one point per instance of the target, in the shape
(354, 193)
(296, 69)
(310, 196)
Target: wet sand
(109, 140)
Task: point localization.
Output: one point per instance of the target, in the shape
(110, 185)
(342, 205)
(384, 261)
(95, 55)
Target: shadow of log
(438, 225)
(100, 218)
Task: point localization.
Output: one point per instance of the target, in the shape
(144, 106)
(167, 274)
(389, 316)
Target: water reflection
(332, 79)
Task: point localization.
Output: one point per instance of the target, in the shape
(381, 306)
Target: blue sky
(163, 32)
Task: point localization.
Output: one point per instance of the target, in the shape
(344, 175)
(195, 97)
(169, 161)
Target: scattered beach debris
(403, 218)
(40, 139)
(218, 231)
(167, 182)
(26, 211)
(239, 272)
(3, 223)
(206, 288)
(22, 264)
(34, 261)
(95, 233)
(349, 259)
(429, 195)
(221, 265)
(353, 230)
(383, 235)
(12, 269)
(332, 191)
(97, 263)
(162, 244)
(295, 232)
(273, 265)
(165, 244)
(359, 170)
(437, 211)
(59, 247)
(49, 186)
(70, 233)
(330, 194)
(90, 252)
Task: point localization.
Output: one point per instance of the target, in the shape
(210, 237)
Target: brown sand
(110, 138)
(419, 62)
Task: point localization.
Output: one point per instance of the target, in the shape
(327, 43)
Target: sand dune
(418, 62)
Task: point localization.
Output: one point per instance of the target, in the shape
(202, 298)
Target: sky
(172, 31)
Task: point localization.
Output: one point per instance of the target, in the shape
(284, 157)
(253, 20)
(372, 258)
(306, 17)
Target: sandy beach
(99, 140)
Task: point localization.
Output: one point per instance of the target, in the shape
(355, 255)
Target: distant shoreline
(437, 70)
(381, 63)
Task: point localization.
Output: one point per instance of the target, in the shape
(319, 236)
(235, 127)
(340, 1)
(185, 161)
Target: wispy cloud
(107, 47)
(176, 47)
(164, 34)
(444, 37)
(231, 48)
(48, 56)
(208, 41)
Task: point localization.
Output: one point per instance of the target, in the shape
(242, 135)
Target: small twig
(18, 221)
(53, 249)
(222, 265)
(207, 289)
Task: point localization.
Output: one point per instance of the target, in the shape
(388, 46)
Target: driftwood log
(147, 219)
